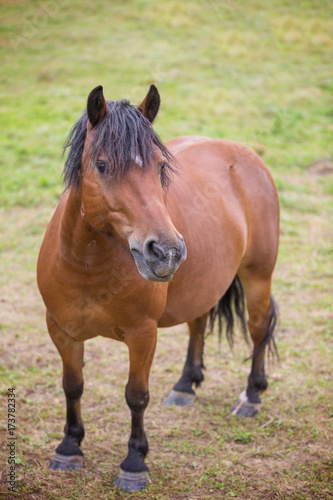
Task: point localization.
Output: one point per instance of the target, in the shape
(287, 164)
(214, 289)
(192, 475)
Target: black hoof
(131, 481)
(63, 462)
(180, 398)
(244, 407)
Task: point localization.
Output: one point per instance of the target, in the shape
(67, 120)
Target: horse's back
(223, 174)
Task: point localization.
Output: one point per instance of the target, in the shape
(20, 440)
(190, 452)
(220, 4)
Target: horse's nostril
(157, 250)
(154, 249)
(157, 253)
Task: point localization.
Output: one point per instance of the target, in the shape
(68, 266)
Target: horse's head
(122, 174)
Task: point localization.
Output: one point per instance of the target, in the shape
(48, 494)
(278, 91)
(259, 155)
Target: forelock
(124, 136)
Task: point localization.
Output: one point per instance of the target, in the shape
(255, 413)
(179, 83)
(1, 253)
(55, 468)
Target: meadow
(256, 72)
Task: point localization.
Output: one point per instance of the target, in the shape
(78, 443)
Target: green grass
(256, 72)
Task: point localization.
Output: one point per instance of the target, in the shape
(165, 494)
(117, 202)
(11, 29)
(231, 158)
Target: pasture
(260, 74)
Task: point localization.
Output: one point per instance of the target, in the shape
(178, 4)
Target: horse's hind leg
(68, 454)
(182, 393)
(261, 323)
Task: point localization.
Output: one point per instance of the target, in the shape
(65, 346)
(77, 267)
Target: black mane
(123, 135)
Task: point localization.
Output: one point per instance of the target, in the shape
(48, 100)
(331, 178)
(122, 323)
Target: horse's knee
(137, 400)
(73, 388)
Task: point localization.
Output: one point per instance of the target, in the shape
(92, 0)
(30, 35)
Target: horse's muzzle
(159, 261)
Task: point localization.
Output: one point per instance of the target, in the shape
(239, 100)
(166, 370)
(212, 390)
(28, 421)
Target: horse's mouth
(147, 271)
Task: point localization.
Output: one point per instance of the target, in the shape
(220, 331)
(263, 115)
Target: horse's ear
(151, 104)
(96, 106)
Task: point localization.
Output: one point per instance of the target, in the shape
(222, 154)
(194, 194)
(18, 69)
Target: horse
(149, 235)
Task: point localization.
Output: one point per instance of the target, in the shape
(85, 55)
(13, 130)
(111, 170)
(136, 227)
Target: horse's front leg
(68, 454)
(134, 473)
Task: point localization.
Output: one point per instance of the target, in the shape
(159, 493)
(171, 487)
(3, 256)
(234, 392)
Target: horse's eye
(163, 165)
(101, 166)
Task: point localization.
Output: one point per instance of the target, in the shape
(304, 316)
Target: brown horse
(108, 260)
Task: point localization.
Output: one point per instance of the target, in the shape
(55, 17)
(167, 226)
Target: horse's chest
(85, 308)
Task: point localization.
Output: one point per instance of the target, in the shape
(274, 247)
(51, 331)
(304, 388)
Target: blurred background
(256, 72)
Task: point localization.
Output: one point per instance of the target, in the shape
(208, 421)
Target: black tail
(233, 301)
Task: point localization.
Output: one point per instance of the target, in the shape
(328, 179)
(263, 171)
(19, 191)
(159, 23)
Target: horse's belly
(205, 276)
(195, 297)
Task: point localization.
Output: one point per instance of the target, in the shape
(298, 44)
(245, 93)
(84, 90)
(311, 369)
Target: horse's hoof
(63, 462)
(180, 398)
(131, 481)
(244, 407)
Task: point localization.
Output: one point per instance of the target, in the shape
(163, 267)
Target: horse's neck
(77, 238)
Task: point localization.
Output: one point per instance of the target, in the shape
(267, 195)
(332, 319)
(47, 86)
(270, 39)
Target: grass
(256, 72)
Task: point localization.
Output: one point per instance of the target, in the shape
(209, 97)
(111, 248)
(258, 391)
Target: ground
(198, 452)
(257, 72)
